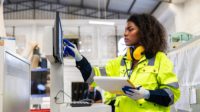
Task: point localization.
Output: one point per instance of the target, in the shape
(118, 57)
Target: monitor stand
(57, 84)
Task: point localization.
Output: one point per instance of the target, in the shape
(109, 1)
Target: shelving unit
(40, 102)
(40, 70)
(38, 76)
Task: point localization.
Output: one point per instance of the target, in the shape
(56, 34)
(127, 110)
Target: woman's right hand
(71, 49)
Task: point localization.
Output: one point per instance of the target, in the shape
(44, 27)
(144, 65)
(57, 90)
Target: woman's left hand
(136, 93)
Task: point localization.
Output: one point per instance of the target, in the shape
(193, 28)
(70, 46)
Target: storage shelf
(38, 95)
(40, 70)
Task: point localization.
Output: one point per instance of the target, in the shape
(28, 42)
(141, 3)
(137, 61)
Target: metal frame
(16, 7)
(49, 6)
(131, 6)
(156, 7)
(107, 4)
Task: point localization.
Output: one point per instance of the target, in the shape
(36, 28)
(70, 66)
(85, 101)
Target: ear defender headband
(135, 53)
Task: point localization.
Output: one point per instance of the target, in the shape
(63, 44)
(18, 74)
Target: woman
(146, 65)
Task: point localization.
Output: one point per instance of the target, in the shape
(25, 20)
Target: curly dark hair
(152, 33)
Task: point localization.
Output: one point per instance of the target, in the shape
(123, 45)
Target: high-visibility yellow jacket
(155, 74)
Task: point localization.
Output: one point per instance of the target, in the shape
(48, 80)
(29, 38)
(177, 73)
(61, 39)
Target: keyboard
(80, 104)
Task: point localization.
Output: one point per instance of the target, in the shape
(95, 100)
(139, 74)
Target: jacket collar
(141, 60)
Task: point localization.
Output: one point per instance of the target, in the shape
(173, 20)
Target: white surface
(40, 100)
(111, 84)
(193, 96)
(184, 101)
(180, 17)
(187, 65)
(121, 47)
(1, 73)
(15, 82)
(48, 48)
(57, 84)
(1, 102)
(2, 27)
(10, 45)
(178, 1)
(43, 101)
(93, 108)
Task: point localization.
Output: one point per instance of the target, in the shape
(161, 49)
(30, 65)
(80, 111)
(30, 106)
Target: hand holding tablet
(113, 84)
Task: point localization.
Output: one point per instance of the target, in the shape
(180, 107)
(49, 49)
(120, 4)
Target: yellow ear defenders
(135, 53)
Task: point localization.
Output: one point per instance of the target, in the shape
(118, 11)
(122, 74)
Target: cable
(56, 97)
(126, 68)
(128, 74)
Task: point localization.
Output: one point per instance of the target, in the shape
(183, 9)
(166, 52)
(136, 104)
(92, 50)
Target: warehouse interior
(31, 79)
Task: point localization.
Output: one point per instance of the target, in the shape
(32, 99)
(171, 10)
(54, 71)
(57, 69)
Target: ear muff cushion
(137, 54)
(128, 54)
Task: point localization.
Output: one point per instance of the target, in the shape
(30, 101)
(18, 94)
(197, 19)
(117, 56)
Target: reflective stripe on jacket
(151, 74)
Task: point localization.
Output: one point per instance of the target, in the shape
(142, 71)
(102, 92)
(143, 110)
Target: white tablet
(112, 84)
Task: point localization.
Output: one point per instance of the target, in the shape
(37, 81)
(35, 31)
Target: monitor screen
(58, 40)
(78, 90)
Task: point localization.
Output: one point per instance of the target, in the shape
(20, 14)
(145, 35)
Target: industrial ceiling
(102, 9)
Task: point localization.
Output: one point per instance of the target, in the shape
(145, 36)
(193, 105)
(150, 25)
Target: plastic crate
(40, 110)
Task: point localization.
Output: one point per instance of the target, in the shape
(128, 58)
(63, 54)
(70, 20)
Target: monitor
(78, 90)
(58, 40)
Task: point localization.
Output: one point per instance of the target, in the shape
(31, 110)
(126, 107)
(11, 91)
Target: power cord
(56, 98)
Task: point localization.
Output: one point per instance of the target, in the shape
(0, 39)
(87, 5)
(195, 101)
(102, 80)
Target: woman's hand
(136, 93)
(71, 49)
